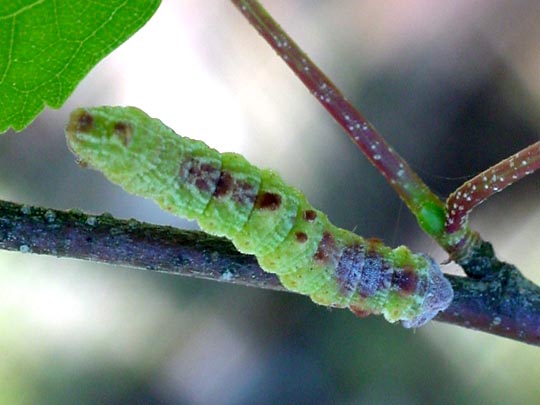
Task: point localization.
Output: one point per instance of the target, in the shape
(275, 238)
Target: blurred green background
(453, 85)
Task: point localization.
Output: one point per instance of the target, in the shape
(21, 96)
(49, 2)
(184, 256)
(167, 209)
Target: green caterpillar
(260, 214)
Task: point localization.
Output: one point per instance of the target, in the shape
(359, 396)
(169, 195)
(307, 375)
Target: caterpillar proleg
(260, 214)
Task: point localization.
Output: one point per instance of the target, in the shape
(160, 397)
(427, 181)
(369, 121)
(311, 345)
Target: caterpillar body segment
(227, 213)
(301, 243)
(271, 218)
(260, 214)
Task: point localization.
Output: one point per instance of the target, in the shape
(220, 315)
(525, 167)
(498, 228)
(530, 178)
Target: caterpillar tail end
(438, 296)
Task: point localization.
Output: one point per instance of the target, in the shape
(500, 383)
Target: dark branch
(504, 304)
(129, 243)
(508, 305)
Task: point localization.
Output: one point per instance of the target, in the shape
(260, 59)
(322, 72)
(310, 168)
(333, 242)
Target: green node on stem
(431, 218)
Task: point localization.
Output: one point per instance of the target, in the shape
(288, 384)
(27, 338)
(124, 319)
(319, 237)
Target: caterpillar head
(438, 296)
(111, 140)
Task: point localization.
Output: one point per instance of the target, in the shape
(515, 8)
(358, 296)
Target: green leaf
(48, 46)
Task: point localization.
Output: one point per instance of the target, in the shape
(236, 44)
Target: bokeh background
(453, 85)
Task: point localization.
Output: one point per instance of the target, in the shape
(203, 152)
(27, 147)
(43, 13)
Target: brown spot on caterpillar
(301, 237)
(202, 175)
(405, 280)
(239, 191)
(124, 131)
(85, 122)
(310, 215)
(268, 201)
(437, 292)
(326, 248)
(374, 243)
(224, 185)
(349, 268)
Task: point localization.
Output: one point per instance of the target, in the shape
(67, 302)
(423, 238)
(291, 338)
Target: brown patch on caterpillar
(310, 215)
(405, 280)
(85, 122)
(224, 185)
(436, 291)
(374, 243)
(301, 237)
(202, 175)
(349, 268)
(360, 312)
(268, 201)
(376, 275)
(124, 131)
(241, 192)
(326, 248)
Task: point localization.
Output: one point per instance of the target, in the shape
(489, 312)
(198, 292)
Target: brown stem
(373, 145)
(506, 304)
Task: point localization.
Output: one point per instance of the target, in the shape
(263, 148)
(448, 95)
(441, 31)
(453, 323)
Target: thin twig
(491, 181)
(506, 305)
